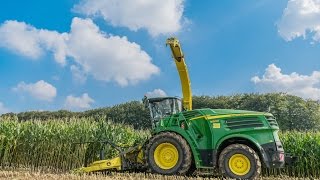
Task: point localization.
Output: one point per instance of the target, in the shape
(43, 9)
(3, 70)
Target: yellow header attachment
(178, 57)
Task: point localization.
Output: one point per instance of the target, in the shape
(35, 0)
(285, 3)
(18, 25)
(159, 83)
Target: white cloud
(108, 57)
(40, 90)
(300, 18)
(82, 102)
(156, 93)
(26, 40)
(105, 57)
(55, 77)
(3, 109)
(157, 16)
(274, 80)
(77, 74)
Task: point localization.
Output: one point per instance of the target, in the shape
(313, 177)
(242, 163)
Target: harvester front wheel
(168, 153)
(239, 161)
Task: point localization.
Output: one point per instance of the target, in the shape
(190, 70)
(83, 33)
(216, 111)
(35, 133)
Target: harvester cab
(161, 107)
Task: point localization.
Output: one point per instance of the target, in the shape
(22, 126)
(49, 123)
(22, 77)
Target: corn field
(53, 145)
(307, 147)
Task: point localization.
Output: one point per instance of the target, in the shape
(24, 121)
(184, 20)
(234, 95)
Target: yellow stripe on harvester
(210, 117)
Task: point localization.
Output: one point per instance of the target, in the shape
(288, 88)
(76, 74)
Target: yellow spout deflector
(178, 57)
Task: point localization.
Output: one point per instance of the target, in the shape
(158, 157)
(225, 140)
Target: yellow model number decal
(216, 125)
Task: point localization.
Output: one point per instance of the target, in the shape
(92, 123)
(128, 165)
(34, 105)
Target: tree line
(291, 112)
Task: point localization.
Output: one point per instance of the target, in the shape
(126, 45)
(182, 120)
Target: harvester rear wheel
(168, 153)
(239, 161)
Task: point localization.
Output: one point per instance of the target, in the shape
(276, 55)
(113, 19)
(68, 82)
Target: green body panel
(207, 129)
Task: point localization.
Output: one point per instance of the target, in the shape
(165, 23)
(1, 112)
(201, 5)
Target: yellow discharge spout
(178, 57)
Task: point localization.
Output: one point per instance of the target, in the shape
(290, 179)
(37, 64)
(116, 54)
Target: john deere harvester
(237, 143)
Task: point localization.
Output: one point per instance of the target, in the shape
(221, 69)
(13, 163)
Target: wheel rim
(239, 164)
(166, 155)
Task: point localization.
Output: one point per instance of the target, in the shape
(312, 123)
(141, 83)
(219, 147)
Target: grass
(23, 174)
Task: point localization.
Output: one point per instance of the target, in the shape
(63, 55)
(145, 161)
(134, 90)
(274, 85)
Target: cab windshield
(165, 107)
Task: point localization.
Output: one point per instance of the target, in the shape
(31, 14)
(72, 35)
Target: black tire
(192, 169)
(229, 151)
(184, 154)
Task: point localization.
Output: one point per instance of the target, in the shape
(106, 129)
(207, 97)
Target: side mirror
(145, 102)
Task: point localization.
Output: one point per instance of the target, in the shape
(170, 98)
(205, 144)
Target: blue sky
(111, 55)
